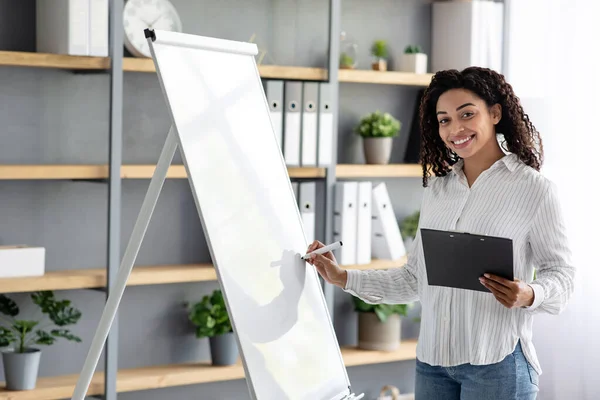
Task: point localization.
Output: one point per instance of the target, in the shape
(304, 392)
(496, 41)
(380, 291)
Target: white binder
(296, 190)
(363, 226)
(274, 94)
(386, 237)
(292, 124)
(62, 27)
(345, 221)
(309, 123)
(325, 137)
(306, 200)
(99, 28)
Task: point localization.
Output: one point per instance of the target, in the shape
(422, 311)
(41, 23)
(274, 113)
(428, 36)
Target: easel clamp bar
(149, 33)
(353, 396)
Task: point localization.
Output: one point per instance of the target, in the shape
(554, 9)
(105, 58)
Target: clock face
(141, 14)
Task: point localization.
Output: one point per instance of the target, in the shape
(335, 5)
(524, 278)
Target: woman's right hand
(327, 265)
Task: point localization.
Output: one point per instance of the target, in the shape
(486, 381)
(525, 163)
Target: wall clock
(141, 14)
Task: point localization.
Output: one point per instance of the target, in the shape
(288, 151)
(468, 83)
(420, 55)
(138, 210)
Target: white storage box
(415, 63)
(22, 260)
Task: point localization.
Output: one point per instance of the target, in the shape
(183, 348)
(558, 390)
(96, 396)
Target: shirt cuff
(539, 296)
(353, 280)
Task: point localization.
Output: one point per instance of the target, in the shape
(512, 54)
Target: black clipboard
(459, 259)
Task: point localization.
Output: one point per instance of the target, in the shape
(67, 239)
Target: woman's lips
(462, 142)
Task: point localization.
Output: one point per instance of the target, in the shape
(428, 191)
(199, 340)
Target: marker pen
(324, 249)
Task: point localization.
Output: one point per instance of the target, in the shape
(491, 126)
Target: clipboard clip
(467, 233)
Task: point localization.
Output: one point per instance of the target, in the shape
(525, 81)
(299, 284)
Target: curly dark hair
(521, 137)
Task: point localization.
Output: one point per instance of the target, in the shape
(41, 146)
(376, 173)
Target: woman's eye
(467, 114)
(443, 121)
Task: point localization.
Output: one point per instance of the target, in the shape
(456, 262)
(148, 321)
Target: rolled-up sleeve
(551, 256)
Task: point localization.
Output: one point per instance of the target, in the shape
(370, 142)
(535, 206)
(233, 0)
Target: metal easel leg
(133, 247)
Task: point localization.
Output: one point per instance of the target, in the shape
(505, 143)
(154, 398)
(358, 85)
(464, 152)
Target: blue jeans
(511, 378)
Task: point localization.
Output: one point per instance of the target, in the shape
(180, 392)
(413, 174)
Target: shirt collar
(510, 160)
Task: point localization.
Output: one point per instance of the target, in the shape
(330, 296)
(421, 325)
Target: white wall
(553, 66)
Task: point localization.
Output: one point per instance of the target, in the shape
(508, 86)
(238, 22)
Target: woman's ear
(496, 113)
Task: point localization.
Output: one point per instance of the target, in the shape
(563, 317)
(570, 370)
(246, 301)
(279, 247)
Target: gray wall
(53, 116)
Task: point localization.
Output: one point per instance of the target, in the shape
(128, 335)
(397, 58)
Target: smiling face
(466, 124)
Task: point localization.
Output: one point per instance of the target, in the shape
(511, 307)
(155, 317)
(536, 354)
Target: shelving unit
(156, 377)
(114, 381)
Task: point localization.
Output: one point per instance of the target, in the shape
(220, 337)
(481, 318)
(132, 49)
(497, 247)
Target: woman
(477, 345)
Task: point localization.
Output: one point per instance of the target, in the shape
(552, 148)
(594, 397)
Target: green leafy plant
(35, 331)
(383, 311)
(346, 61)
(379, 49)
(412, 49)
(210, 316)
(378, 124)
(410, 224)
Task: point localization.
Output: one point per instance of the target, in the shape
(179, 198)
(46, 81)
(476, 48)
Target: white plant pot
(376, 335)
(377, 150)
(416, 63)
(21, 369)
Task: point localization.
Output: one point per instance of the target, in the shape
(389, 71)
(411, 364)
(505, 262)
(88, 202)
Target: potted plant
(408, 228)
(212, 320)
(377, 130)
(379, 51)
(21, 363)
(413, 60)
(348, 52)
(346, 61)
(379, 325)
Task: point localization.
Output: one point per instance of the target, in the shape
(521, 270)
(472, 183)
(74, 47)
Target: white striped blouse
(459, 326)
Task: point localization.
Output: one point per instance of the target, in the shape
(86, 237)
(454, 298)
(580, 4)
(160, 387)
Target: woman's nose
(456, 129)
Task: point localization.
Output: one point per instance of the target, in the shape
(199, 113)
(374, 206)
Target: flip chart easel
(239, 180)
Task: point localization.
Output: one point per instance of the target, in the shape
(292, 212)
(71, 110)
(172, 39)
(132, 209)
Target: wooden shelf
(378, 264)
(354, 356)
(143, 275)
(56, 61)
(311, 74)
(378, 171)
(43, 172)
(96, 278)
(298, 73)
(51, 172)
(133, 64)
(384, 77)
(306, 172)
(54, 388)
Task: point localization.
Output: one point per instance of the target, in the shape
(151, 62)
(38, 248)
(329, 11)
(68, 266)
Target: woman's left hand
(512, 294)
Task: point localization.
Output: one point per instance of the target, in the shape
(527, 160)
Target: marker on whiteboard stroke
(324, 249)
